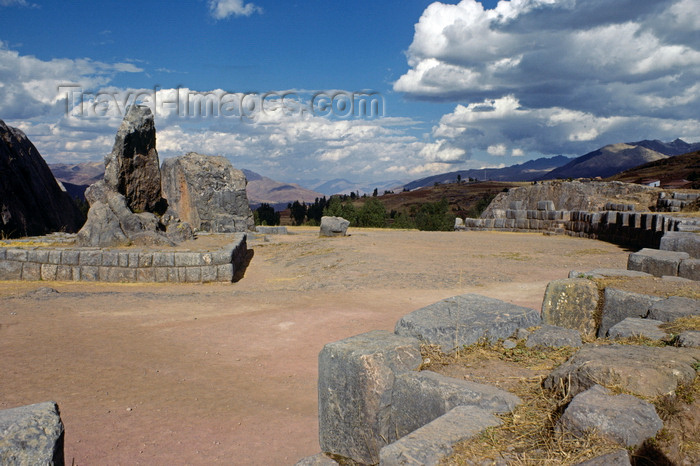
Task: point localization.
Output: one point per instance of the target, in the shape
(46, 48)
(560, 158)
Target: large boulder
(464, 320)
(681, 241)
(641, 370)
(620, 304)
(334, 226)
(132, 168)
(31, 435)
(32, 202)
(207, 192)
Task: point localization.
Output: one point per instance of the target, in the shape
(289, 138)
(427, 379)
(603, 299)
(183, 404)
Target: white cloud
(558, 76)
(222, 9)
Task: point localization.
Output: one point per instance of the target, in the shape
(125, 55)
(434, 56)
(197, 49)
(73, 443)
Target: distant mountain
(605, 162)
(685, 166)
(85, 173)
(676, 147)
(263, 189)
(343, 186)
(527, 171)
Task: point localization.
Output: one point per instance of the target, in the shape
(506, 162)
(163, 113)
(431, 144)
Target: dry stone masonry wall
(122, 264)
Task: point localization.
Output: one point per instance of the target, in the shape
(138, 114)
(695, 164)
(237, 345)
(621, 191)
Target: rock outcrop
(132, 168)
(31, 435)
(125, 206)
(207, 192)
(31, 200)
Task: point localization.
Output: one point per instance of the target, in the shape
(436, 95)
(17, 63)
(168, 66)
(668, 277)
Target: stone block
(636, 327)
(89, 273)
(333, 226)
(48, 271)
(421, 397)
(432, 443)
(619, 305)
(674, 307)
(625, 419)
(123, 259)
(31, 271)
(133, 259)
(2, 253)
(688, 242)
(689, 339)
(551, 336)
(145, 274)
(464, 320)
(38, 255)
(208, 273)
(10, 270)
(121, 274)
(206, 258)
(161, 274)
(70, 257)
(641, 370)
(193, 274)
(65, 273)
(88, 258)
(224, 273)
(163, 259)
(187, 259)
(572, 303)
(173, 274)
(110, 259)
(265, 230)
(31, 435)
(16, 254)
(145, 259)
(690, 269)
(545, 205)
(355, 383)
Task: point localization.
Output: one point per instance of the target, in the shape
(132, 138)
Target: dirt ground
(226, 373)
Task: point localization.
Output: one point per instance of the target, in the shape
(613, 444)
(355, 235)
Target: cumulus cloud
(222, 9)
(557, 71)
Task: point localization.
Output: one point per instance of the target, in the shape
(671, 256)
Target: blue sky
(462, 84)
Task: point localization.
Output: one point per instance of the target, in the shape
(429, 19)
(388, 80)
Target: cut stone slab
(621, 304)
(636, 327)
(689, 339)
(616, 458)
(355, 384)
(420, 397)
(690, 269)
(31, 435)
(680, 241)
(625, 419)
(674, 307)
(551, 336)
(464, 320)
(334, 226)
(642, 370)
(608, 273)
(656, 262)
(433, 442)
(317, 460)
(265, 230)
(571, 303)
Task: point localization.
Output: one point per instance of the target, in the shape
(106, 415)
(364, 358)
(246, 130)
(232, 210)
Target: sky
(369, 91)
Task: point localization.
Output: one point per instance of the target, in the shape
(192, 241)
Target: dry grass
(527, 435)
(682, 324)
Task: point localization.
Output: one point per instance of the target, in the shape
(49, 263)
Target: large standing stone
(681, 242)
(571, 303)
(31, 435)
(207, 192)
(334, 226)
(621, 304)
(355, 382)
(132, 168)
(432, 443)
(464, 320)
(31, 200)
(625, 419)
(642, 370)
(420, 397)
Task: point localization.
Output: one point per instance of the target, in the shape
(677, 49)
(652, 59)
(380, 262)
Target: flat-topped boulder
(636, 327)
(674, 307)
(656, 262)
(682, 241)
(464, 320)
(551, 336)
(641, 370)
(620, 304)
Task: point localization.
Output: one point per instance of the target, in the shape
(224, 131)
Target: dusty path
(226, 373)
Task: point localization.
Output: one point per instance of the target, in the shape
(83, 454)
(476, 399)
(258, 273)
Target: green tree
(433, 216)
(372, 214)
(297, 212)
(266, 215)
(336, 208)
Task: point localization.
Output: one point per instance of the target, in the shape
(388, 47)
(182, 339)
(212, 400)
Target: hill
(262, 189)
(343, 186)
(527, 171)
(686, 166)
(605, 162)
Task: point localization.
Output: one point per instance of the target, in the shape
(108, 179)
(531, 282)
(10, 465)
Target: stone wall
(641, 230)
(122, 264)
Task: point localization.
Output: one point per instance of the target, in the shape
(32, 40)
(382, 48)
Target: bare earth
(226, 373)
